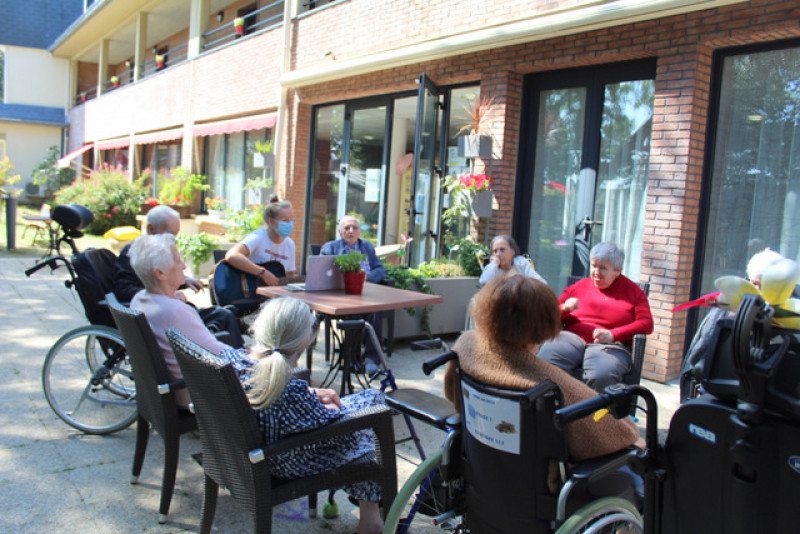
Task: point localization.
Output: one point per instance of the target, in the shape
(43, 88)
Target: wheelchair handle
(438, 361)
(51, 262)
(579, 410)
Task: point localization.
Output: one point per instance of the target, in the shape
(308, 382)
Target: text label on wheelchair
(702, 433)
(492, 420)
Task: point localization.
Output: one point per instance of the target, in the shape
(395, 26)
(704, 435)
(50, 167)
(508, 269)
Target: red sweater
(622, 308)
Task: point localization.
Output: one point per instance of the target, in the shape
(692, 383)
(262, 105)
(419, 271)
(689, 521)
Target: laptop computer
(321, 275)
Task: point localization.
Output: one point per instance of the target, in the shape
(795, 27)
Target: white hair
(151, 252)
(158, 218)
(610, 252)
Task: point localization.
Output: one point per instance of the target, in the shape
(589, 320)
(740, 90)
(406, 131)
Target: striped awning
(110, 144)
(242, 124)
(158, 137)
(65, 161)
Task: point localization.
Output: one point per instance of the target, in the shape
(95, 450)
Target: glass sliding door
(349, 173)
(753, 201)
(363, 173)
(425, 186)
(589, 168)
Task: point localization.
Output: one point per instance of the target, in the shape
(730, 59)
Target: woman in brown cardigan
(513, 317)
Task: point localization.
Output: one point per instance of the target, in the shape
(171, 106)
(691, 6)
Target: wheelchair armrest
(596, 468)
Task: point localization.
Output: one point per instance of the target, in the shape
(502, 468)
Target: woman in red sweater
(600, 314)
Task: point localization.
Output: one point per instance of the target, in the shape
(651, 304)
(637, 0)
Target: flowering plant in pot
(354, 275)
(179, 187)
(238, 25)
(115, 81)
(468, 191)
(160, 61)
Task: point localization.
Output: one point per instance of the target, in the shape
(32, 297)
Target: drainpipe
(286, 67)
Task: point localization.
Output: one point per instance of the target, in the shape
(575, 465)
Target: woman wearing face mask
(271, 243)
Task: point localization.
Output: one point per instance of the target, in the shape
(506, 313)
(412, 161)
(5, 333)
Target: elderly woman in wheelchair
(513, 317)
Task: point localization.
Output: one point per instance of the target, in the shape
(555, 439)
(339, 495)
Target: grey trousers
(597, 364)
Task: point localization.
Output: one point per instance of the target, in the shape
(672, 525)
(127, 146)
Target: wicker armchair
(155, 397)
(234, 451)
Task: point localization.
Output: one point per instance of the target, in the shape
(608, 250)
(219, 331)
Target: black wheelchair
(731, 460)
(730, 463)
(86, 376)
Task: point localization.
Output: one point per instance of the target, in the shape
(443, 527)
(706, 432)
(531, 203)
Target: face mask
(285, 228)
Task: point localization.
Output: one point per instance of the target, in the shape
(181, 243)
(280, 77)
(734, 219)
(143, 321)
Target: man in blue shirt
(350, 232)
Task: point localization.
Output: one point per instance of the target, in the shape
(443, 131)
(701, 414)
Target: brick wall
(683, 46)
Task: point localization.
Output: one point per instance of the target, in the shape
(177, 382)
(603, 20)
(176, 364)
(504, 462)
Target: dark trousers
(222, 319)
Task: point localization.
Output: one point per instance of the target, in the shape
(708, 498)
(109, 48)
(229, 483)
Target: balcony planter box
(475, 146)
(447, 317)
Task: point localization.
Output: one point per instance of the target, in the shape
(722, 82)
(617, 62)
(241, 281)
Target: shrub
(440, 269)
(47, 174)
(109, 194)
(240, 223)
(468, 256)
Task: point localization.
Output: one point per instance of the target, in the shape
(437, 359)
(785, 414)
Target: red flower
(115, 209)
(475, 182)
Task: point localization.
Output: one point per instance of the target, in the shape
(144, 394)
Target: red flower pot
(354, 283)
(239, 29)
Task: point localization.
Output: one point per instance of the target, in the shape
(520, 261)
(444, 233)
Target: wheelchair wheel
(611, 515)
(425, 503)
(88, 382)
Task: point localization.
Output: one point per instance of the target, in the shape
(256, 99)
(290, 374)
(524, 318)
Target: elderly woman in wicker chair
(286, 404)
(158, 264)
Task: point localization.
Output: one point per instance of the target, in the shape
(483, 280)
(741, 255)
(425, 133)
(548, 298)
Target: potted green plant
(477, 144)
(178, 189)
(354, 275)
(115, 81)
(160, 59)
(196, 248)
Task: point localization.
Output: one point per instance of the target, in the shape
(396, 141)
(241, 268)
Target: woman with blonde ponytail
(286, 405)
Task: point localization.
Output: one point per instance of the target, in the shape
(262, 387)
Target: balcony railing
(264, 18)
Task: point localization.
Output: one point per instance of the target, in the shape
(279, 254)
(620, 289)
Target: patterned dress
(299, 409)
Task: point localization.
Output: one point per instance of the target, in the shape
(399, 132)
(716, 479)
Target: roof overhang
(586, 16)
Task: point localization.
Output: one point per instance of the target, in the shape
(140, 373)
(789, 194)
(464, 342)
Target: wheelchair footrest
(426, 407)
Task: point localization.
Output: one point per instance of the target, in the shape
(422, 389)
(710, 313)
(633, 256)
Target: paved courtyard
(58, 479)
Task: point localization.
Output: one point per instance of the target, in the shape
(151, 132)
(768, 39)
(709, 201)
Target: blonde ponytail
(282, 331)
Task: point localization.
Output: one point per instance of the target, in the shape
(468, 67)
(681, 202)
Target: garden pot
(481, 203)
(354, 282)
(239, 30)
(185, 211)
(144, 208)
(475, 146)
